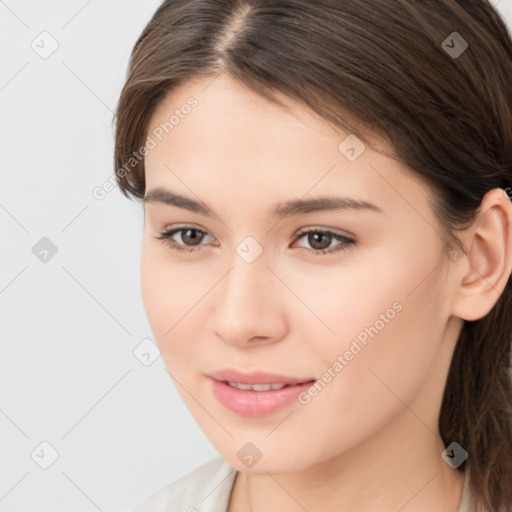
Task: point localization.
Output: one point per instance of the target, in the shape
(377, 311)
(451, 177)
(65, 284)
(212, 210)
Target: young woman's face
(370, 320)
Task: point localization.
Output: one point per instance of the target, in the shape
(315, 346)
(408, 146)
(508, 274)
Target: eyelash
(346, 244)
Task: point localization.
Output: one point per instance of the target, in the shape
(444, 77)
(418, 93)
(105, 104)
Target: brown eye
(321, 240)
(191, 236)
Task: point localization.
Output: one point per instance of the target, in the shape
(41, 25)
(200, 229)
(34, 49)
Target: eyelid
(324, 229)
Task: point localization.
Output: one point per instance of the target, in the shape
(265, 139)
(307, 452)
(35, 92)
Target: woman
(327, 248)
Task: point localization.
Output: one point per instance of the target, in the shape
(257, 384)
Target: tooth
(243, 387)
(256, 387)
(261, 387)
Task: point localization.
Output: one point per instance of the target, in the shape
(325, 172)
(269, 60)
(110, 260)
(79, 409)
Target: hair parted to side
(370, 66)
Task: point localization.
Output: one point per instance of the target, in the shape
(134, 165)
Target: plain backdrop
(89, 418)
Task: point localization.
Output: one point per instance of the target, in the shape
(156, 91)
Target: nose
(249, 305)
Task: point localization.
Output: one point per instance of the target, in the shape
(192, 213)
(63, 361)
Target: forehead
(225, 111)
(214, 134)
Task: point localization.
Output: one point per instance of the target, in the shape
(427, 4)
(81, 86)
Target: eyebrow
(279, 210)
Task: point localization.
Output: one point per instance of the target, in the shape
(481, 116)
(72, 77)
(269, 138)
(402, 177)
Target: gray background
(78, 369)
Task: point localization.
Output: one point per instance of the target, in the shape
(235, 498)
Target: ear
(481, 276)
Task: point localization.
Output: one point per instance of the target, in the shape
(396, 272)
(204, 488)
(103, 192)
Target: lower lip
(255, 404)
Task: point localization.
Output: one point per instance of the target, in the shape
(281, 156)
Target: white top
(208, 489)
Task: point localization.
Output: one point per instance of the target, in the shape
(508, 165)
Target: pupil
(315, 239)
(193, 238)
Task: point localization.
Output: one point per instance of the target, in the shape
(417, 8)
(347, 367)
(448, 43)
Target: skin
(369, 440)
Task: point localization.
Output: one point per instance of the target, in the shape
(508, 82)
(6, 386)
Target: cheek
(166, 292)
(172, 293)
(383, 373)
(389, 339)
(153, 287)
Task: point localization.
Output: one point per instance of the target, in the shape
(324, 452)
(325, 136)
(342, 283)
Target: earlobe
(488, 259)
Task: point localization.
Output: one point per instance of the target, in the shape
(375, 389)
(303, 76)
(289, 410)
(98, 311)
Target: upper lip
(230, 375)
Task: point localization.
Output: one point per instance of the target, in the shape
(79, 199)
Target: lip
(256, 404)
(231, 375)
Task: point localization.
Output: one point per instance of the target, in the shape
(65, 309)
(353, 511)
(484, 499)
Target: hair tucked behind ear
(381, 67)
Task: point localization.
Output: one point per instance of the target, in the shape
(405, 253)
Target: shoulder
(205, 489)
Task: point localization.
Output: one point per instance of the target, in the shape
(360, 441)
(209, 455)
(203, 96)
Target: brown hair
(371, 66)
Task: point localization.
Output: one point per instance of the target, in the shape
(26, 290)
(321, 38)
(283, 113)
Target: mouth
(257, 387)
(240, 394)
